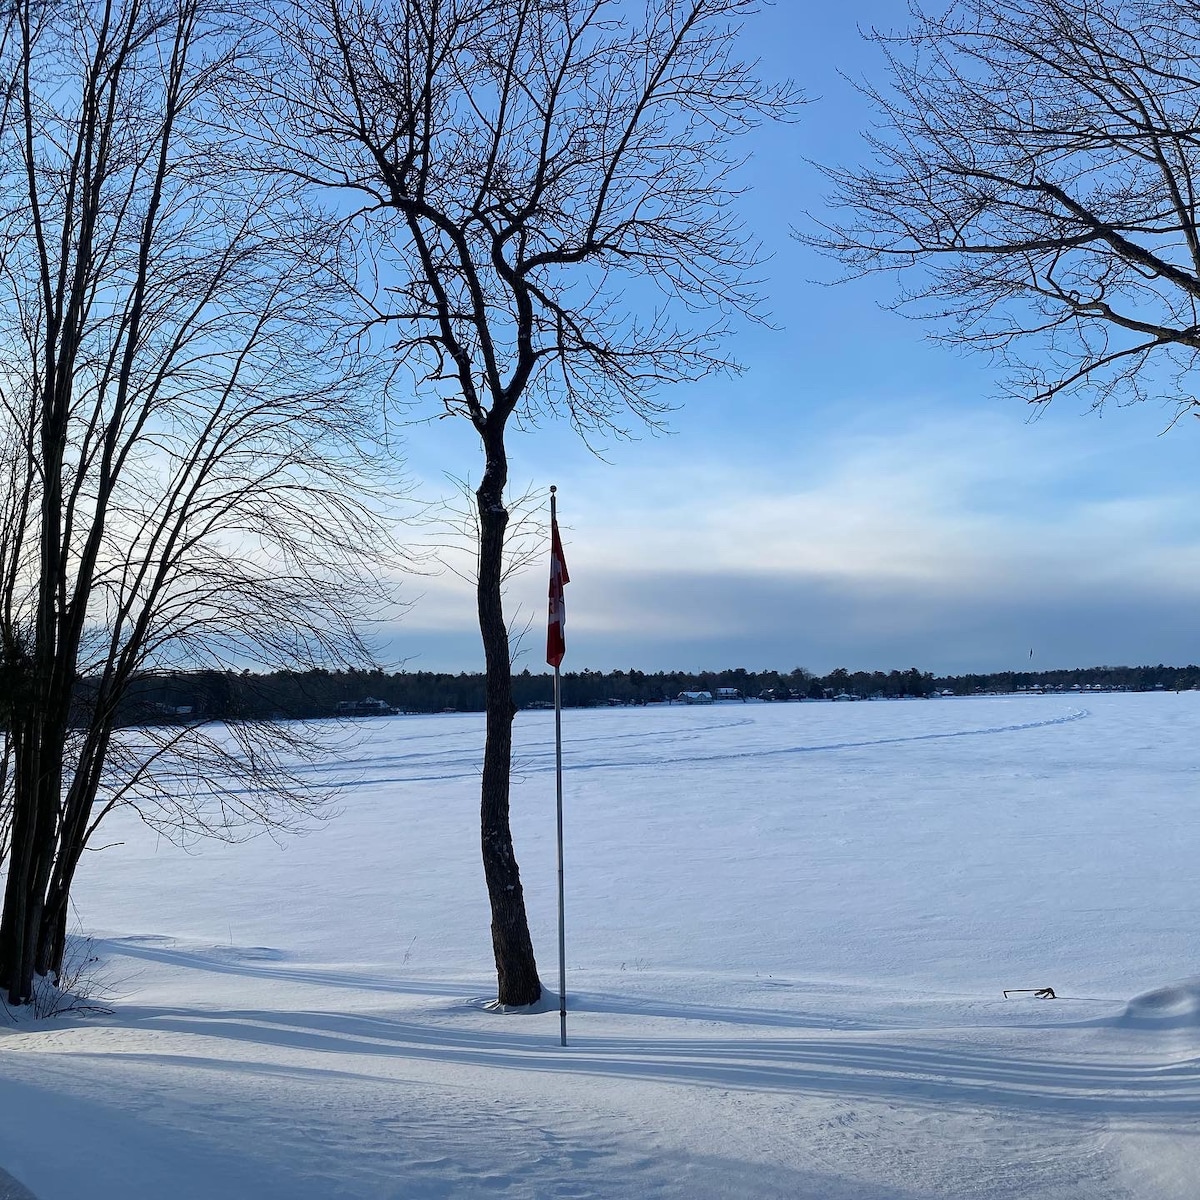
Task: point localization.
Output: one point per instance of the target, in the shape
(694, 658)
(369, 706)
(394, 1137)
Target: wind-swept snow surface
(789, 931)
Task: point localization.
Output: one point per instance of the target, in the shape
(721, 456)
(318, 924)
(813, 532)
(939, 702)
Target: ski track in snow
(539, 758)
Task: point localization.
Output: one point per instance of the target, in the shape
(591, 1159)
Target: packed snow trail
(538, 758)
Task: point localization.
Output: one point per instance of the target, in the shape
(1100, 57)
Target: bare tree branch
(1033, 175)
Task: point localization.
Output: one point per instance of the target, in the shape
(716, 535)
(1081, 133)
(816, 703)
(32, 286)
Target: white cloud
(961, 504)
(914, 525)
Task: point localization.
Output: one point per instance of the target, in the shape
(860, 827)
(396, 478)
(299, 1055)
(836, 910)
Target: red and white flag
(556, 630)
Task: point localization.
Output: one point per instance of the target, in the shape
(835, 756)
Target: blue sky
(859, 497)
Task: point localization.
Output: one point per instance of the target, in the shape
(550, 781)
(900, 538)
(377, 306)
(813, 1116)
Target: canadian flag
(556, 630)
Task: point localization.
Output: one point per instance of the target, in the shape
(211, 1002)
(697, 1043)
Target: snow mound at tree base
(547, 1002)
(1176, 1006)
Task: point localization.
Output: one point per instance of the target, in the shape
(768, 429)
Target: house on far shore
(695, 697)
(368, 707)
(729, 694)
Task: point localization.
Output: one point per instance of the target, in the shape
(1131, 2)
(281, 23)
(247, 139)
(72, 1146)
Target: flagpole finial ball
(553, 488)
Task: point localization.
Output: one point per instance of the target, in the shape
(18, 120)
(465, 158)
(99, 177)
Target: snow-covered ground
(789, 929)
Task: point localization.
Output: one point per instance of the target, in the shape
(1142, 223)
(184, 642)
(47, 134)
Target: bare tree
(542, 198)
(1034, 176)
(187, 450)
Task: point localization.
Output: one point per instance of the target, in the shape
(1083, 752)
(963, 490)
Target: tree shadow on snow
(852, 1061)
(925, 1075)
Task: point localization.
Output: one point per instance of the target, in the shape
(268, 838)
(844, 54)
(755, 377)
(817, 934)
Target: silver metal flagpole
(562, 920)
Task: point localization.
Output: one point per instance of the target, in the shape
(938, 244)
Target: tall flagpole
(562, 922)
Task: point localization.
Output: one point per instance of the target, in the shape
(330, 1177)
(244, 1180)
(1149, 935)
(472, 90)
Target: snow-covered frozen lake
(789, 929)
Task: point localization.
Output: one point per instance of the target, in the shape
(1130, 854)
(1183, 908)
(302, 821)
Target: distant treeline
(1122, 679)
(230, 696)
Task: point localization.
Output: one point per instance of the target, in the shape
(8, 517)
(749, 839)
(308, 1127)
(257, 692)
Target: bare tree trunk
(516, 969)
(72, 838)
(52, 934)
(43, 859)
(20, 864)
(34, 827)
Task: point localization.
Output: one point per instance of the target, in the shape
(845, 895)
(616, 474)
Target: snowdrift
(1176, 1006)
